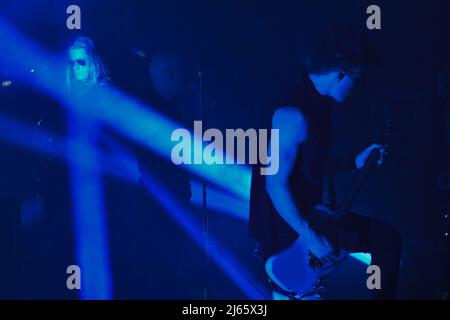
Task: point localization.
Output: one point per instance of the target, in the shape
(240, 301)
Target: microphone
(139, 53)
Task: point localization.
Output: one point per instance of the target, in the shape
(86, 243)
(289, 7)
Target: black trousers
(358, 233)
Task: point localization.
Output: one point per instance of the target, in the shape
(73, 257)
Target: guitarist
(288, 204)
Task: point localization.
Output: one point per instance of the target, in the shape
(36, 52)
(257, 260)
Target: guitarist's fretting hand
(361, 158)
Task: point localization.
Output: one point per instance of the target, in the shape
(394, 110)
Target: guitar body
(297, 272)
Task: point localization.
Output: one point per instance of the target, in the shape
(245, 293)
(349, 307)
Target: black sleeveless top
(306, 181)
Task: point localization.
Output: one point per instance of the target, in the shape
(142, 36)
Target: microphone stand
(204, 188)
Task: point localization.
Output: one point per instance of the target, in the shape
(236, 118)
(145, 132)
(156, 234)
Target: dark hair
(341, 48)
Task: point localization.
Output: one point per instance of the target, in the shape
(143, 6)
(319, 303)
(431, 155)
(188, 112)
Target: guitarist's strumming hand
(361, 158)
(318, 244)
(293, 131)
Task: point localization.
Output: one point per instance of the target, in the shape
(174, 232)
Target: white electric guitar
(295, 271)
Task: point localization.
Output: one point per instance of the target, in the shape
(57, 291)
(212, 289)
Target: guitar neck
(350, 196)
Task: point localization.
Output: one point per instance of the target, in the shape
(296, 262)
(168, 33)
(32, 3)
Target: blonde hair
(98, 73)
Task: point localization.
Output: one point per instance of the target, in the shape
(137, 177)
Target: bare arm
(293, 130)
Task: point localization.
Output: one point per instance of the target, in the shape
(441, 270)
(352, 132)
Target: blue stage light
(139, 123)
(363, 257)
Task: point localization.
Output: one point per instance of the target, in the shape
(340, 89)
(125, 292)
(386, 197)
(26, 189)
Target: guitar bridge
(324, 264)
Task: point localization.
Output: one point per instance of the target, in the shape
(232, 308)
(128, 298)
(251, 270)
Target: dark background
(252, 52)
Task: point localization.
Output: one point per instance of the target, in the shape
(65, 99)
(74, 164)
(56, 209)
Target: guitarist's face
(345, 83)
